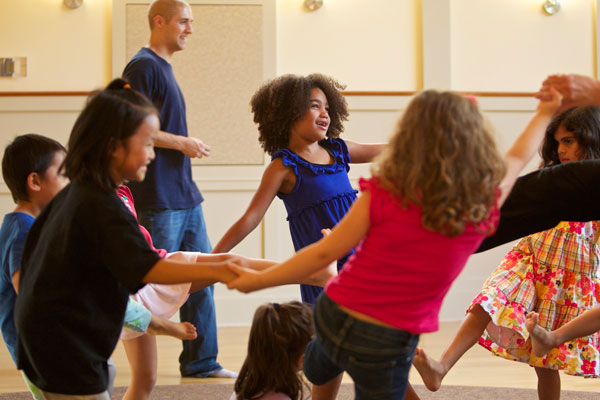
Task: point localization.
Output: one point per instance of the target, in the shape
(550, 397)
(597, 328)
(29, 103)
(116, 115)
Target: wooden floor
(476, 368)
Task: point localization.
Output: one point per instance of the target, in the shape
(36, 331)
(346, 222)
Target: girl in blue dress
(299, 121)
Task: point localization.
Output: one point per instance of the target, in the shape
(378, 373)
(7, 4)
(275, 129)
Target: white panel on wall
(511, 45)
(65, 49)
(368, 45)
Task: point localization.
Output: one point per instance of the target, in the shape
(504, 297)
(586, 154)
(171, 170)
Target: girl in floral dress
(555, 273)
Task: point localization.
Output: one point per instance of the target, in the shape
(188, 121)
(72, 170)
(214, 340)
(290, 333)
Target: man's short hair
(26, 154)
(165, 8)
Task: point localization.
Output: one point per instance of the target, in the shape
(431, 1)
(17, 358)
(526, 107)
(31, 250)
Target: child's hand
(237, 259)
(246, 280)
(222, 273)
(550, 102)
(326, 231)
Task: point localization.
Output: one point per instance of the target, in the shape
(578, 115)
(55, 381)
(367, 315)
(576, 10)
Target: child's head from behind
(278, 339)
(104, 146)
(443, 158)
(572, 135)
(281, 103)
(32, 168)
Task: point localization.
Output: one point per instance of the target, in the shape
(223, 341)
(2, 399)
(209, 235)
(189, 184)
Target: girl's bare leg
(432, 371)
(142, 356)
(327, 391)
(410, 393)
(548, 384)
(179, 330)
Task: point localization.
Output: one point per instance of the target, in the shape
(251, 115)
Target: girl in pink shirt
(433, 197)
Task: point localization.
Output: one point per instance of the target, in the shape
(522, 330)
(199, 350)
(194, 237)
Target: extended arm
(363, 153)
(170, 272)
(270, 184)
(311, 259)
(541, 199)
(528, 143)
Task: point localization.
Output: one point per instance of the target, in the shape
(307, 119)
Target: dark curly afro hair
(279, 103)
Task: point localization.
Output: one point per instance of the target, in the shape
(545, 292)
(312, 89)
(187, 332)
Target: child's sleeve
(15, 254)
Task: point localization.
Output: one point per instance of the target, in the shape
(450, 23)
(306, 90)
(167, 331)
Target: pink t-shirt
(401, 271)
(125, 195)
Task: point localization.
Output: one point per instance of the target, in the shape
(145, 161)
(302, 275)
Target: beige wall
(370, 46)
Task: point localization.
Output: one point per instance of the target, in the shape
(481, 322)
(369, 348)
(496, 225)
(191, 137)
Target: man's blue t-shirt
(13, 233)
(168, 183)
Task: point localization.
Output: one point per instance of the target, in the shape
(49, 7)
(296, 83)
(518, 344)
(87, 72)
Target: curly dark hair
(279, 103)
(584, 124)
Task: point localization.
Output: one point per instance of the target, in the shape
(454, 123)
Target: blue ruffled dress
(322, 196)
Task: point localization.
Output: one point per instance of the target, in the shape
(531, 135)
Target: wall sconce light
(313, 5)
(551, 7)
(72, 4)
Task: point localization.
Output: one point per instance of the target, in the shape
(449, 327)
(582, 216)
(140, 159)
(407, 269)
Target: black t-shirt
(541, 199)
(83, 256)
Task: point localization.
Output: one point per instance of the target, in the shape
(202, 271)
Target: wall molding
(353, 93)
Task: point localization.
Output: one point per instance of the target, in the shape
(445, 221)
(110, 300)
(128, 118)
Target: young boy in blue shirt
(31, 169)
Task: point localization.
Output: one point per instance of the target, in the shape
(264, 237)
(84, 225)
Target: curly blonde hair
(443, 158)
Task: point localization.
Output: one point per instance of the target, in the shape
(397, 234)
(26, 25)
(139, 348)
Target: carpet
(222, 391)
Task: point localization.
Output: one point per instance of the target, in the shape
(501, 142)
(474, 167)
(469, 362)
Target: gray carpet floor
(223, 391)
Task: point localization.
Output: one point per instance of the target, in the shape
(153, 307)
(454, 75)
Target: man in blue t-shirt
(167, 201)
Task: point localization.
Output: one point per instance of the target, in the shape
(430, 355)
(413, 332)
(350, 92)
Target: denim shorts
(377, 358)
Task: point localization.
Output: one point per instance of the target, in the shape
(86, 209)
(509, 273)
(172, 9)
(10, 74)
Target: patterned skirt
(555, 273)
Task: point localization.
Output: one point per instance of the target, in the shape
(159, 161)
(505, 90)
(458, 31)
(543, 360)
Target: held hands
(194, 148)
(551, 102)
(246, 281)
(222, 273)
(577, 90)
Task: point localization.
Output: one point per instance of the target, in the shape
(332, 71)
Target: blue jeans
(185, 230)
(377, 358)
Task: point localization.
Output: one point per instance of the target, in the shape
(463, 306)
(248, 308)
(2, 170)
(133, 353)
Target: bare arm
(311, 259)
(363, 153)
(270, 184)
(528, 142)
(15, 280)
(170, 272)
(189, 146)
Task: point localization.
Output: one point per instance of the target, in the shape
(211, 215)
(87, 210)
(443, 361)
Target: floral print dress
(555, 273)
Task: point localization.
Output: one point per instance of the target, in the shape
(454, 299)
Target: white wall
(377, 45)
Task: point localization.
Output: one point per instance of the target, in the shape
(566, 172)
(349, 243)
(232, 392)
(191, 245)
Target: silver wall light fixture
(313, 5)
(551, 7)
(73, 3)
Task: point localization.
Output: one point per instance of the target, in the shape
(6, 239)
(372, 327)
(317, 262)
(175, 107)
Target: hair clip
(277, 307)
(472, 98)
(127, 86)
